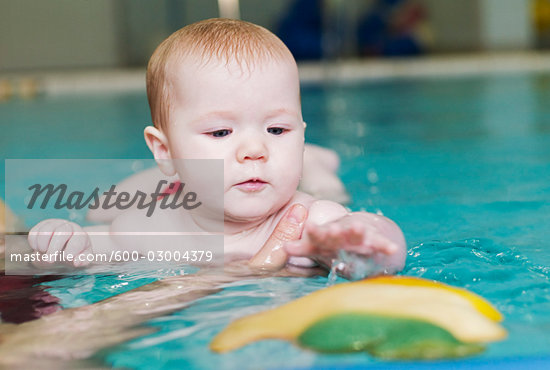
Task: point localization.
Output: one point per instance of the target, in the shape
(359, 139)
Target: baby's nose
(252, 149)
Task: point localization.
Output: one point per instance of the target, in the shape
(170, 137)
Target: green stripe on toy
(384, 337)
(466, 318)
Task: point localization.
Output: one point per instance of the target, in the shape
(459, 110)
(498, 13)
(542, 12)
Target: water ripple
(516, 285)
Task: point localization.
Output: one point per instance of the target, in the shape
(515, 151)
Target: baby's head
(212, 41)
(227, 89)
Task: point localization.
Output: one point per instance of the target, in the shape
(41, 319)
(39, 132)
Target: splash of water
(353, 266)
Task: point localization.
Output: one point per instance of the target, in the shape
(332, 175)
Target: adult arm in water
(78, 333)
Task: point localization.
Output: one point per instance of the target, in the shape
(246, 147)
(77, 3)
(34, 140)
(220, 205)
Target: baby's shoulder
(303, 198)
(319, 211)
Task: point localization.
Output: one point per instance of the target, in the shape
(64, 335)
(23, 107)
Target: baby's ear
(158, 145)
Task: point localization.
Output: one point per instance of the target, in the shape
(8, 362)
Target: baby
(227, 89)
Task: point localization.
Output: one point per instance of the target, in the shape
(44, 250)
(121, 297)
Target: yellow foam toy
(393, 317)
(2, 217)
(7, 219)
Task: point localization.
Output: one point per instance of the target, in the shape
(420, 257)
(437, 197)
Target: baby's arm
(319, 177)
(56, 235)
(330, 227)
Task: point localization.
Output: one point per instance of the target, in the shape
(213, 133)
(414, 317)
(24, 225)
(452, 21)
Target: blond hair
(225, 40)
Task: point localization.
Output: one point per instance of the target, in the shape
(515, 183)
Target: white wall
(41, 34)
(455, 24)
(57, 33)
(265, 13)
(506, 24)
(466, 25)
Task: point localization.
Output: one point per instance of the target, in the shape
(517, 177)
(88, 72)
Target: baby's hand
(55, 235)
(353, 236)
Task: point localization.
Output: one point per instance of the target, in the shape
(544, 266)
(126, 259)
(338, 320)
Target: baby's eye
(220, 133)
(276, 130)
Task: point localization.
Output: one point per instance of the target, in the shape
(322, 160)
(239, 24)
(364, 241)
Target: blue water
(462, 165)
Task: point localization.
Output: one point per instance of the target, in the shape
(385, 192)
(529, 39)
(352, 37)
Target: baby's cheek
(291, 166)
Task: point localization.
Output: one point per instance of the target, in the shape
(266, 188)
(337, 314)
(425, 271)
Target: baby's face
(252, 120)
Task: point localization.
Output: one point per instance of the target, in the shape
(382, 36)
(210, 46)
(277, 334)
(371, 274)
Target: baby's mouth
(251, 185)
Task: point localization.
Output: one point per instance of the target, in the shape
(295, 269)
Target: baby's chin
(246, 217)
(249, 213)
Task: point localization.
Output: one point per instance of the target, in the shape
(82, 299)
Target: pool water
(461, 164)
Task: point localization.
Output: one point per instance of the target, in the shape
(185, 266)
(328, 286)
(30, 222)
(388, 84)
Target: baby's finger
(299, 248)
(334, 238)
(381, 244)
(78, 242)
(316, 234)
(44, 234)
(31, 238)
(60, 237)
(33, 234)
(356, 234)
